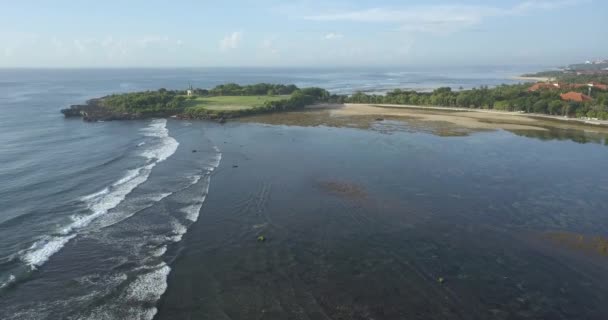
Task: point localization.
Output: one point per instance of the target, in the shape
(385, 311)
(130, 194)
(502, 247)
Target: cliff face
(86, 111)
(93, 110)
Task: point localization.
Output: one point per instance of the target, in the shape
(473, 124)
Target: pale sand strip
(533, 79)
(469, 118)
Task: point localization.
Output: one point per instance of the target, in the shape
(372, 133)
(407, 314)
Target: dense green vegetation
(147, 103)
(570, 77)
(226, 100)
(577, 73)
(505, 98)
(232, 100)
(582, 78)
(544, 74)
(233, 89)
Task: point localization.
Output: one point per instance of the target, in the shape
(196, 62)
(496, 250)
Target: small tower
(190, 91)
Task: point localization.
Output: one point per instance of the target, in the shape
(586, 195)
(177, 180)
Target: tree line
(233, 89)
(165, 102)
(504, 98)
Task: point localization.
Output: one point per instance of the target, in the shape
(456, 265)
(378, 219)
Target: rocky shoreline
(94, 110)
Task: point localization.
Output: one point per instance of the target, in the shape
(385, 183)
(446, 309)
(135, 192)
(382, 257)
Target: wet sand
(386, 224)
(439, 121)
(533, 79)
(466, 119)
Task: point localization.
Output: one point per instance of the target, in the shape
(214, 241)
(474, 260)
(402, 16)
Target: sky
(300, 33)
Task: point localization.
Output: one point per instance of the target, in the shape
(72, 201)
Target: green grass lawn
(227, 103)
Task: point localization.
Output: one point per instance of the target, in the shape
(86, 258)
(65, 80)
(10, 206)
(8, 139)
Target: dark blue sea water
(123, 220)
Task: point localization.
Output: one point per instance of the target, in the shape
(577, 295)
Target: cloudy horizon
(302, 33)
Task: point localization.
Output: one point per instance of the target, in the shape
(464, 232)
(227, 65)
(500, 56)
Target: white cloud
(231, 41)
(268, 45)
(8, 51)
(81, 46)
(441, 19)
(152, 40)
(107, 42)
(546, 5)
(332, 36)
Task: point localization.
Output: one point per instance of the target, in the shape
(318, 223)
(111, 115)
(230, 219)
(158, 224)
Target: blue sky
(155, 33)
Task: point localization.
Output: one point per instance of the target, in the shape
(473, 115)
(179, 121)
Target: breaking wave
(100, 202)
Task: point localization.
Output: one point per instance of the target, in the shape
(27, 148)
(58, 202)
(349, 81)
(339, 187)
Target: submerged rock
(343, 189)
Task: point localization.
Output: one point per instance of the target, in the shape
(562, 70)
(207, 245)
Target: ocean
(159, 219)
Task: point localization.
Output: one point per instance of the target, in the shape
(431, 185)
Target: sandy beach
(469, 118)
(533, 79)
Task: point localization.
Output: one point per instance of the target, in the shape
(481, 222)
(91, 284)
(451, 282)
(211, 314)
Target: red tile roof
(543, 85)
(558, 85)
(600, 86)
(575, 96)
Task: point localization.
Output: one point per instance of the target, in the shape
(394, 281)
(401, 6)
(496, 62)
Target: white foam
(157, 128)
(131, 174)
(131, 304)
(43, 249)
(99, 203)
(214, 163)
(114, 217)
(119, 311)
(97, 194)
(167, 145)
(141, 144)
(178, 231)
(150, 286)
(11, 279)
(195, 179)
(166, 148)
(160, 196)
(159, 252)
(192, 212)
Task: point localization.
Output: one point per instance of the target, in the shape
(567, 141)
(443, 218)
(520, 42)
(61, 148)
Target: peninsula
(220, 103)
(582, 102)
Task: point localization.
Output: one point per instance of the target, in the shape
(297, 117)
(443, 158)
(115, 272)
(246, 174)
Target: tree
(555, 107)
(540, 106)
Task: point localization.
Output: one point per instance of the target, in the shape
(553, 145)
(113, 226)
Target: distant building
(575, 97)
(598, 85)
(544, 85)
(190, 91)
(566, 86)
